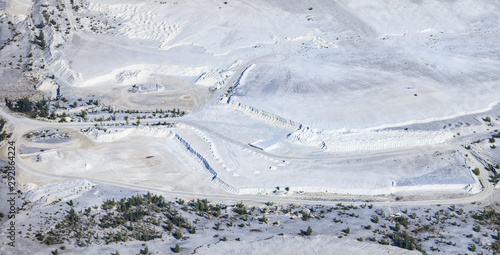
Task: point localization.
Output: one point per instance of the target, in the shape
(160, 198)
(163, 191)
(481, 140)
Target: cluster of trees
(402, 220)
(202, 207)
(405, 241)
(21, 105)
(91, 101)
(133, 218)
(240, 209)
(33, 109)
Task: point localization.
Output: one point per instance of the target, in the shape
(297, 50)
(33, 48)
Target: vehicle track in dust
(21, 125)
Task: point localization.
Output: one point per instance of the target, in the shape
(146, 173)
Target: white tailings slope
(263, 115)
(56, 192)
(345, 141)
(318, 96)
(206, 165)
(113, 134)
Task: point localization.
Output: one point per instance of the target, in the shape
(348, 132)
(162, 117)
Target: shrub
(473, 248)
(476, 171)
(263, 219)
(397, 227)
(405, 241)
(177, 249)
(309, 231)
(178, 234)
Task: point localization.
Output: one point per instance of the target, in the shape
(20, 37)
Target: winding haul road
(22, 125)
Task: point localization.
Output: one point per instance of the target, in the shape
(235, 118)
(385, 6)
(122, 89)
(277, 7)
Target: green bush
(309, 231)
(476, 171)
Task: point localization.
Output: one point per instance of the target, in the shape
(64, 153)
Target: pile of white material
(20, 9)
(140, 73)
(306, 136)
(148, 88)
(49, 193)
(48, 85)
(114, 134)
(263, 115)
(132, 76)
(216, 77)
(49, 156)
(366, 140)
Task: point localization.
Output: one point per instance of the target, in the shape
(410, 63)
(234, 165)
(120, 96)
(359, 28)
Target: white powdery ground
(344, 70)
(448, 226)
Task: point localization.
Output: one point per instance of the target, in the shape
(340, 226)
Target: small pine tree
(476, 171)
(177, 249)
(397, 227)
(473, 248)
(178, 234)
(41, 37)
(309, 231)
